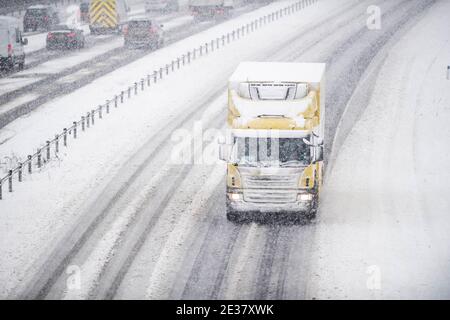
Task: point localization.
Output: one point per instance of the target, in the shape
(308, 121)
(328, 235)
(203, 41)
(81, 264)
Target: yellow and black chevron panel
(103, 13)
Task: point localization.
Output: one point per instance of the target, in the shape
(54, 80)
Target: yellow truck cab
(274, 142)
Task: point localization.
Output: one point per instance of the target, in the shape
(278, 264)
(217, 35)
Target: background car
(143, 32)
(161, 5)
(65, 37)
(39, 17)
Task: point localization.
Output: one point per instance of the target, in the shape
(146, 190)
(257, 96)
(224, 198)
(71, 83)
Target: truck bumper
(241, 206)
(256, 208)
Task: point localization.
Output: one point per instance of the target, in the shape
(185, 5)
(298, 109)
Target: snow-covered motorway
(119, 214)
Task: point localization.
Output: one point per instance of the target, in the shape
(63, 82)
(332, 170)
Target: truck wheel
(21, 65)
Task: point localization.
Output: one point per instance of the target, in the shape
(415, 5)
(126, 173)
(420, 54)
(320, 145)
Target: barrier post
(48, 150)
(39, 160)
(56, 143)
(74, 129)
(10, 189)
(65, 137)
(29, 164)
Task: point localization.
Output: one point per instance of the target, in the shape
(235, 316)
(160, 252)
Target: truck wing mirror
(307, 142)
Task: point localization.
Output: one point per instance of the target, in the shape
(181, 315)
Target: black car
(39, 17)
(143, 32)
(65, 37)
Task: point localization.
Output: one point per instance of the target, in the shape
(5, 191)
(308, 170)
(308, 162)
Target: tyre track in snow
(57, 262)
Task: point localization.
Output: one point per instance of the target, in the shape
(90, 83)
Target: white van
(11, 43)
(161, 5)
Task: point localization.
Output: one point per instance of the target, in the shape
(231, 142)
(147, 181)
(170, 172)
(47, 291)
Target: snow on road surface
(383, 229)
(136, 225)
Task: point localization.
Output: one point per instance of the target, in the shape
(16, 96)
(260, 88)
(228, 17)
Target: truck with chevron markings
(107, 15)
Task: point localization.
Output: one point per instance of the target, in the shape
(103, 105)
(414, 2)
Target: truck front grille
(269, 196)
(270, 188)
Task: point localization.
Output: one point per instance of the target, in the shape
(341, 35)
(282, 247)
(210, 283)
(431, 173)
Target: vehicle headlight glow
(305, 197)
(235, 196)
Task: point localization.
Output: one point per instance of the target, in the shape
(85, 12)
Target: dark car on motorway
(39, 17)
(143, 32)
(65, 37)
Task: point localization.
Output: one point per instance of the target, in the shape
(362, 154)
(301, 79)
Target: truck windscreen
(283, 152)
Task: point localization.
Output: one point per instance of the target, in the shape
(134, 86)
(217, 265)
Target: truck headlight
(234, 196)
(305, 197)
